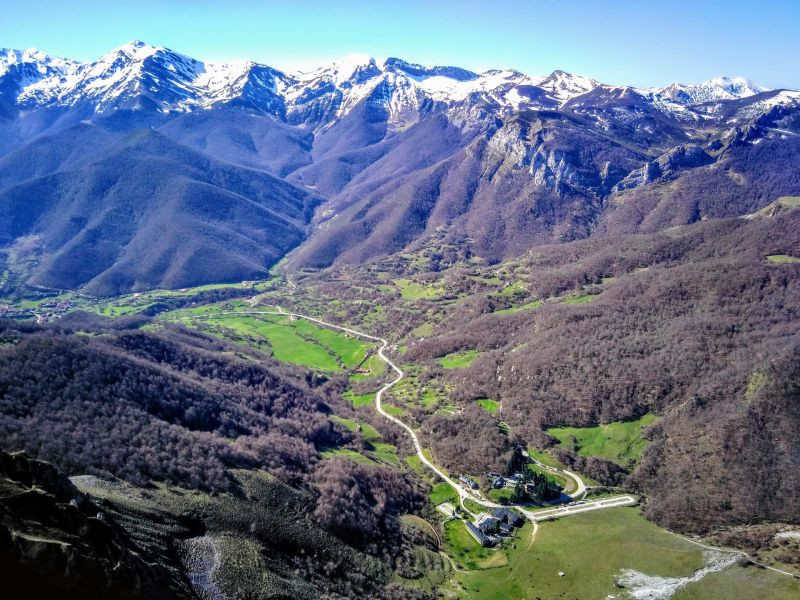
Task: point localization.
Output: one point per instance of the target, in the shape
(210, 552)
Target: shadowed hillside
(143, 212)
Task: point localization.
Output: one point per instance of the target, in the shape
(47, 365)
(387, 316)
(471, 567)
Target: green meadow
(620, 441)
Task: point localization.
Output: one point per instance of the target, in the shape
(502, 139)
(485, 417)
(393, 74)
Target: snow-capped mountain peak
(134, 50)
(741, 87)
(343, 71)
(713, 90)
(42, 61)
(565, 86)
(141, 76)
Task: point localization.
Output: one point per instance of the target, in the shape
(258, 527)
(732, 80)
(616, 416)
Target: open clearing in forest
(782, 259)
(458, 360)
(490, 406)
(295, 341)
(619, 441)
(412, 290)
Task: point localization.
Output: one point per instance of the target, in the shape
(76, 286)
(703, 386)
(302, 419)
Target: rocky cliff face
(55, 542)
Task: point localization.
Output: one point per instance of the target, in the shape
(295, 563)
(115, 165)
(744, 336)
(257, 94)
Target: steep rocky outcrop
(55, 542)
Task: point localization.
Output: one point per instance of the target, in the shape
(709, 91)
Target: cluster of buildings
(491, 529)
(498, 481)
(467, 481)
(53, 309)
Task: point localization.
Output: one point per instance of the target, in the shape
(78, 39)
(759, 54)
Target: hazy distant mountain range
(149, 168)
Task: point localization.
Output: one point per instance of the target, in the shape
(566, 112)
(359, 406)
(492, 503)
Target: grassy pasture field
(514, 309)
(592, 550)
(412, 290)
(782, 259)
(490, 406)
(544, 458)
(620, 441)
(360, 399)
(295, 341)
(567, 483)
(377, 450)
(442, 492)
(458, 360)
(579, 299)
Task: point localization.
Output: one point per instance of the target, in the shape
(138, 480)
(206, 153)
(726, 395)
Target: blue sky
(636, 42)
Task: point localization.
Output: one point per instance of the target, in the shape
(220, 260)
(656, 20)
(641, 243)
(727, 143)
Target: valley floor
(613, 553)
(562, 557)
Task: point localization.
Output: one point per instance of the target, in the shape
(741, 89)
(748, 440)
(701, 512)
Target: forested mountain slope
(698, 325)
(182, 445)
(98, 156)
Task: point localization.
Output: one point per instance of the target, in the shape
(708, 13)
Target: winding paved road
(535, 516)
(463, 493)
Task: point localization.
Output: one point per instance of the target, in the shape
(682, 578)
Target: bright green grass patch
(467, 552)
(741, 583)
(350, 424)
(361, 399)
(380, 451)
(430, 397)
(579, 299)
(590, 549)
(374, 365)
(369, 432)
(782, 259)
(411, 290)
(393, 410)
(511, 290)
(350, 350)
(487, 279)
(789, 201)
(415, 464)
(458, 360)
(490, 406)
(429, 455)
(423, 330)
(501, 494)
(620, 441)
(567, 483)
(286, 344)
(473, 506)
(543, 457)
(347, 453)
(385, 452)
(296, 341)
(112, 310)
(514, 309)
(442, 492)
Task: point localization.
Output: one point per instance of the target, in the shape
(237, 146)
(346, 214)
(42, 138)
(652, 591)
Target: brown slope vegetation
(93, 538)
(697, 327)
(180, 408)
(147, 212)
(746, 178)
(145, 406)
(99, 397)
(535, 178)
